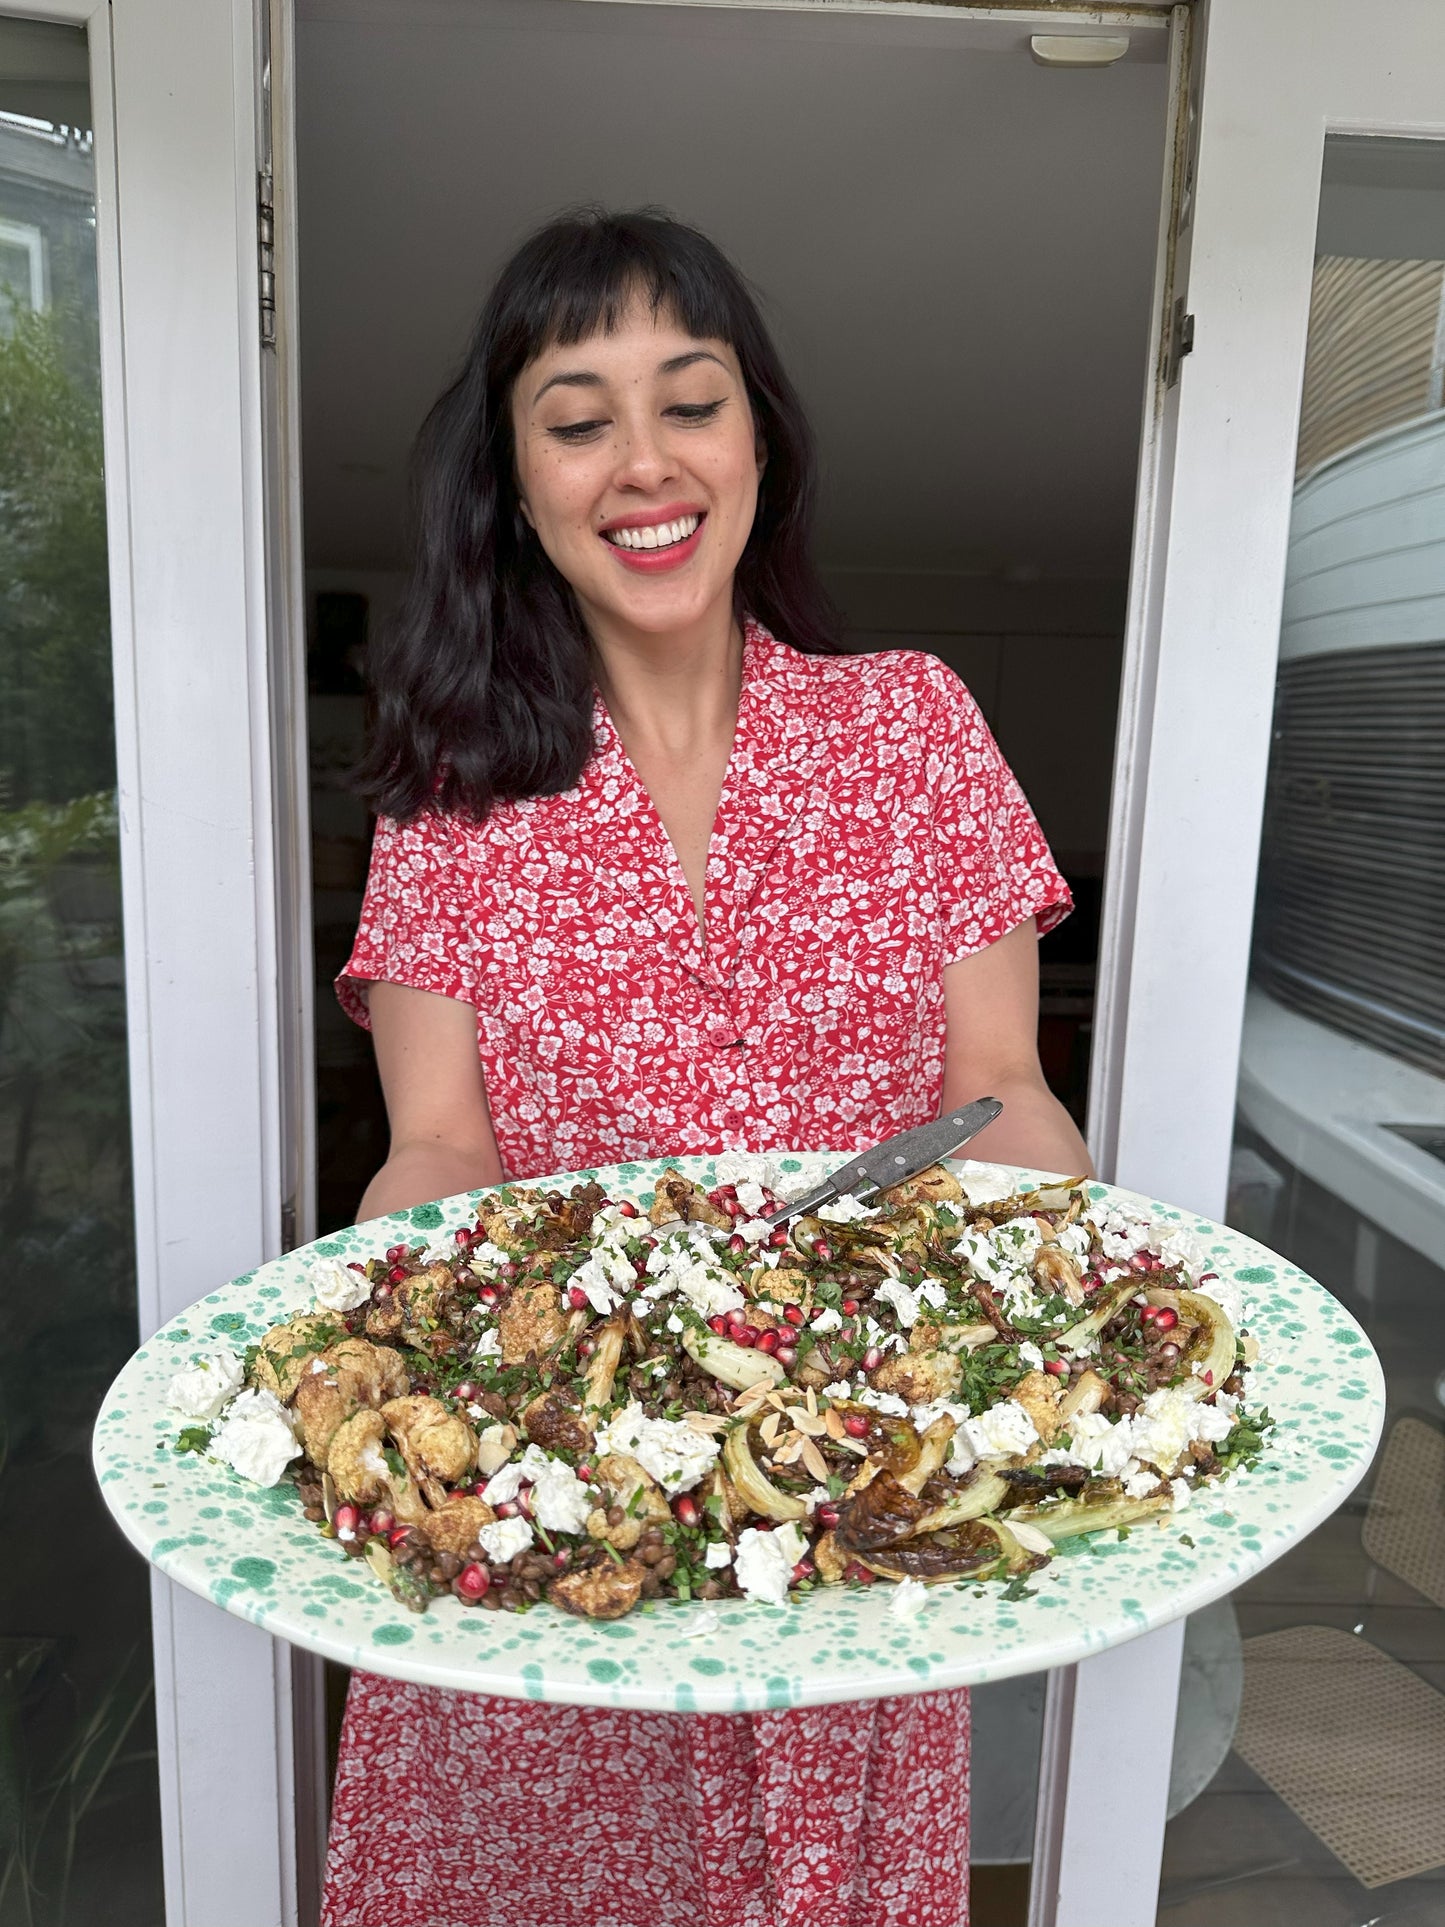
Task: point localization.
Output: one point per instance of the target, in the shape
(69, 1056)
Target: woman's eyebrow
(584, 378)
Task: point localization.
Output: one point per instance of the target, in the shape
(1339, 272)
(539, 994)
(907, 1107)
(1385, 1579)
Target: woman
(660, 871)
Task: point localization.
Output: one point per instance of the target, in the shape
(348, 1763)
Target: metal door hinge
(266, 255)
(1181, 341)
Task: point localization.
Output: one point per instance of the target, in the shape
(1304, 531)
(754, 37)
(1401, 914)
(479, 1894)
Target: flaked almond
(771, 1426)
(814, 1461)
(833, 1424)
(813, 1428)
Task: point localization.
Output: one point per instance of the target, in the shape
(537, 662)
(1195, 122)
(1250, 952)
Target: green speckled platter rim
(250, 1551)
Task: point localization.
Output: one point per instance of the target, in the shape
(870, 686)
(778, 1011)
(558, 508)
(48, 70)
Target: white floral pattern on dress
(869, 833)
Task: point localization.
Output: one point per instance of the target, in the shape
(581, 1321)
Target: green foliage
(55, 674)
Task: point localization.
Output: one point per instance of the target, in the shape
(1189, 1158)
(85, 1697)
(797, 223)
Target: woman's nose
(644, 460)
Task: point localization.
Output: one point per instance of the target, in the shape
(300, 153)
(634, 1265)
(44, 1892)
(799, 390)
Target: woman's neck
(673, 697)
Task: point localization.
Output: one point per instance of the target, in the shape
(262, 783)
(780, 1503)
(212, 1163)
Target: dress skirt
(461, 1810)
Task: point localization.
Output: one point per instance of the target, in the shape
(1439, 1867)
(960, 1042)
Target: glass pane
(79, 1812)
(1317, 1735)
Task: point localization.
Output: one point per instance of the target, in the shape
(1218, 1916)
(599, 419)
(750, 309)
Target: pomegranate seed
(1056, 1368)
(803, 1570)
(827, 1516)
(488, 1295)
(849, 1308)
(506, 1508)
(719, 1324)
(737, 1242)
(576, 1297)
(1207, 1377)
(381, 1522)
(585, 1347)
(345, 1520)
(639, 1265)
(1207, 1277)
(627, 1208)
(872, 1359)
(860, 1575)
(794, 1314)
(766, 1341)
(381, 1294)
(509, 1268)
(474, 1581)
(401, 1536)
(354, 1266)
(584, 1473)
(562, 1558)
(524, 1502)
(822, 1249)
(466, 1392)
(786, 1356)
(1169, 1351)
(723, 1193)
(396, 1274)
(393, 1252)
(649, 1244)
(856, 1426)
(778, 1239)
(736, 1316)
(742, 1335)
(462, 1236)
(1165, 1318)
(685, 1510)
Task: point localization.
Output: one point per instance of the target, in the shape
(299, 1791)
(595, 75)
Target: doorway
(956, 249)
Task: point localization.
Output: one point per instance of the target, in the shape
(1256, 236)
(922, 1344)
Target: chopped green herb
(195, 1438)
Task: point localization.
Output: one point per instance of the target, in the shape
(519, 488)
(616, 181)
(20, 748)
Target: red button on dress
(868, 834)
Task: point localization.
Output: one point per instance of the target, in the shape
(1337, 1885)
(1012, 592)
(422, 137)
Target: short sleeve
(415, 924)
(993, 865)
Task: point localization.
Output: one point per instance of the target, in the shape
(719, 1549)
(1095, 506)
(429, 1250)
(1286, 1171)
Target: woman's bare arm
(992, 1000)
(436, 1102)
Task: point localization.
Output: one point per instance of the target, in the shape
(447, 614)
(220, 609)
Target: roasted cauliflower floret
(287, 1350)
(606, 1592)
(1055, 1270)
(416, 1312)
(1038, 1393)
(346, 1375)
(784, 1286)
(677, 1198)
(830, 1559)
(632, 1491)
(437, 1445)
(919, 1377)
(933, 1186)
(359, 1470)
(454, 1526)
(531, 1321)
(555, 1424)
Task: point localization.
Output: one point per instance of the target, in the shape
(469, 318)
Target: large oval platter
(249, 1550)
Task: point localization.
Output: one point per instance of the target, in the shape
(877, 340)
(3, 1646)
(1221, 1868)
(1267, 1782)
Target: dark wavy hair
(482, 688)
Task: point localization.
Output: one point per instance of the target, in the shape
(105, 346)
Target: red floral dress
(868, 834)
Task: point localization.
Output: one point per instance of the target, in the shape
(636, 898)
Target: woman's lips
(658, 561)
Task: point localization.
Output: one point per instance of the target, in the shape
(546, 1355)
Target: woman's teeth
(662, 535)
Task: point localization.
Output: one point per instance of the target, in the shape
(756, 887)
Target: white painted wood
(175, 156)
(1202, 648)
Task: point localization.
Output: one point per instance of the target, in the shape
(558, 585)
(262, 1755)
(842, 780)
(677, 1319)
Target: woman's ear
(760, 450)
(525, 512)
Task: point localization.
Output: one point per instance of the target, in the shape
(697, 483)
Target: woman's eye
(575, 431)
(695, 411)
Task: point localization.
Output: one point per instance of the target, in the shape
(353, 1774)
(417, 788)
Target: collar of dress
(781, 739)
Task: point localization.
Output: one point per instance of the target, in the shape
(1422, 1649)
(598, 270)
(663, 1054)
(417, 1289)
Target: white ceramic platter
(249, 1550)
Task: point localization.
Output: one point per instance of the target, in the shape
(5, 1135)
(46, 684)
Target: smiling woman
(662, 870)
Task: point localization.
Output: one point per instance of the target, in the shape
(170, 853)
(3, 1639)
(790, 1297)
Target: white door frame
(173, 89)
(1278, 75)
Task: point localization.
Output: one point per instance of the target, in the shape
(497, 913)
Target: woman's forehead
(640, 337)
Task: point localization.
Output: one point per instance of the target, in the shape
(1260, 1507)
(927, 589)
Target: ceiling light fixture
(1078, 50)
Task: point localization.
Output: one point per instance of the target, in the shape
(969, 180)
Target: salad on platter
(600, 1403)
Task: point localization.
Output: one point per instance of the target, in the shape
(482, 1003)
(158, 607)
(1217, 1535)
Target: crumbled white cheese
(1003, 1432)
(690, 1267)
(719, 1554)
(845, 1210)
(1139, 1485)
(1178, 1247)
(489, 1345)
(909, 1598)
(560, 1501)
(924, 1415)
(765, 1561)
(751, 1198)
(1183, 1493)
(745, 1167)
(674, 1323)
(485, 1257)
(674, 1452)
(335, 1287)
(985, 1183)
(1030, 1355)
(255, 1437)
(1121, 1234)
(199, 1392)
(754, 1230)
(904, 1302)
(826, 1320)
(1075, 1240)
(889, 1403)
(503, 1539)
(1029, 1537)
(933, 1292)
(701, 1621)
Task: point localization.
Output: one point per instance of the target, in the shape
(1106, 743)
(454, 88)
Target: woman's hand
(992, 1000)
(436, 1102)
